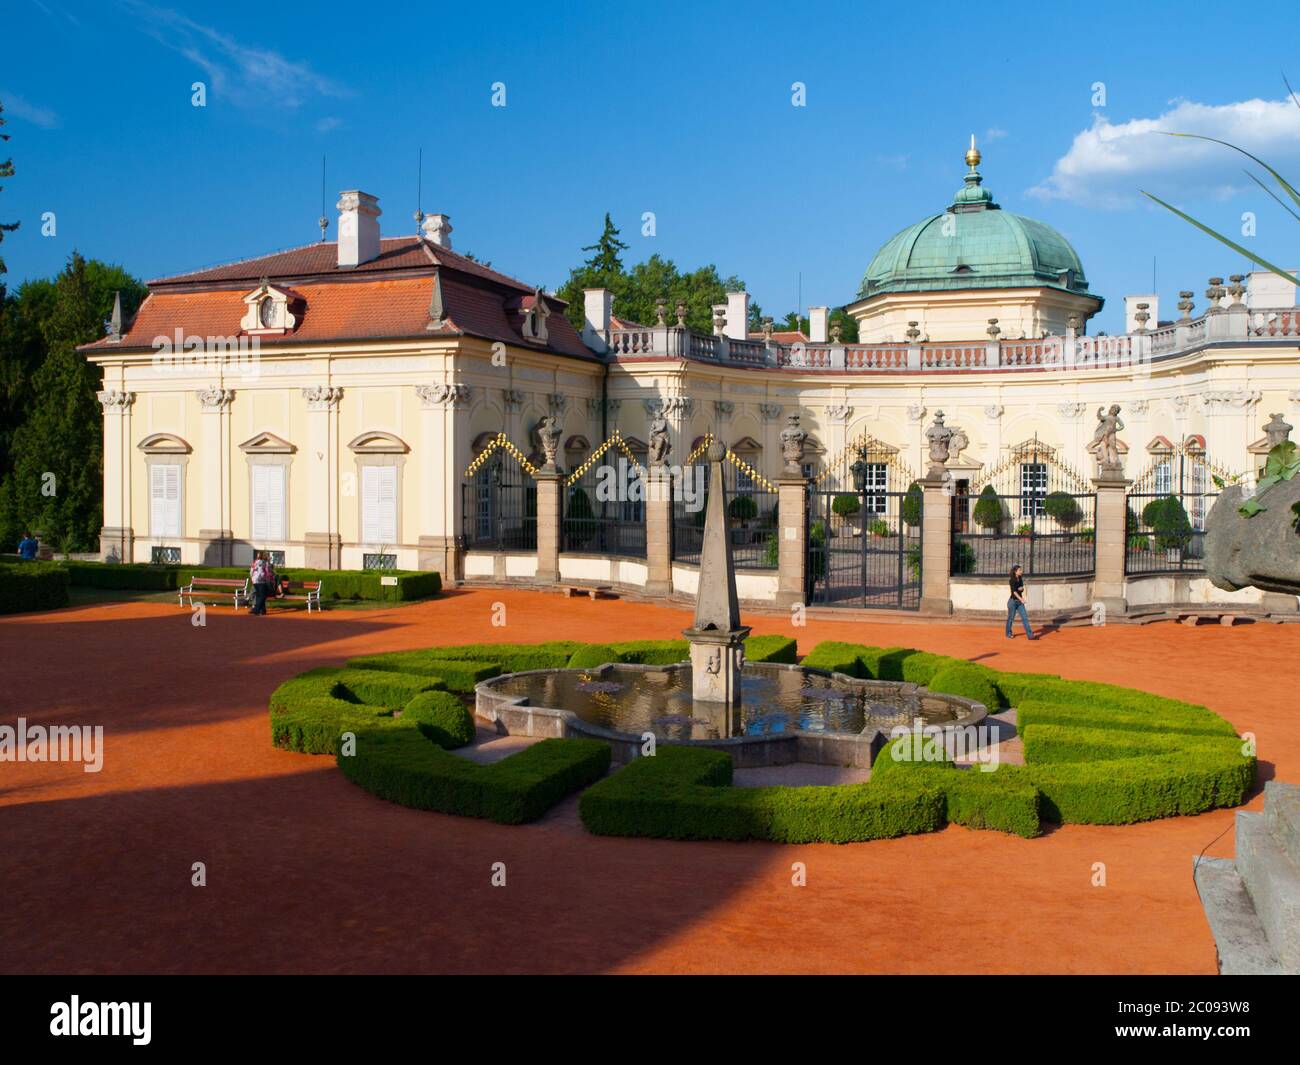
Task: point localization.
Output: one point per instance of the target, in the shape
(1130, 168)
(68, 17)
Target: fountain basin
(788, 713)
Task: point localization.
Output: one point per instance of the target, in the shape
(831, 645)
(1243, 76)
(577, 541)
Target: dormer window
(269, 310)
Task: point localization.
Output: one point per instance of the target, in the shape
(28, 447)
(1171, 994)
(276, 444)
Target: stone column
(117, 537)
(936, 543)
(658, 531)
(213, 484)
(550, 489)
(792, 550)
(323, 542)
(1111, 532)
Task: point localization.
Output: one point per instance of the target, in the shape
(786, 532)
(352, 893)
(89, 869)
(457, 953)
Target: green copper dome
(974, 244)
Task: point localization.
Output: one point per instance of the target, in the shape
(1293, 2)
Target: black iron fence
(751, 519)
(1166, 531)
(864, 549)
(499, 514)
(1050, 534)
(604, 512)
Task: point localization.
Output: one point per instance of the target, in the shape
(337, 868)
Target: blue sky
(679, 109)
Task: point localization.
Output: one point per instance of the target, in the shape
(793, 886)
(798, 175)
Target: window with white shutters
(378, 504)
(164, 500)
(269, 521)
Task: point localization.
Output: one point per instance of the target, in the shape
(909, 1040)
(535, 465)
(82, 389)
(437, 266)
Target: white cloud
(324, 125)
(16, 107)
(1109, 163)
(246, 76)
(995, 133)
(894, 162)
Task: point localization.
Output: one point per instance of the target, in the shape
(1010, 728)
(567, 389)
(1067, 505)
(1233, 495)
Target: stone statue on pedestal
(660, 445)
(1105, 441)
(548, 431)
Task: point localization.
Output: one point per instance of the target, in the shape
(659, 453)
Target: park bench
(215, 588)
(593, 591)
(307, 592)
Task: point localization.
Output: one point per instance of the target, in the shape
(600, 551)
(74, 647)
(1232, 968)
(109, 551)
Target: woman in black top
(1016, 604)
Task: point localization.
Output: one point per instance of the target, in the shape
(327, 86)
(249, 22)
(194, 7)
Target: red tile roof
(385, 298)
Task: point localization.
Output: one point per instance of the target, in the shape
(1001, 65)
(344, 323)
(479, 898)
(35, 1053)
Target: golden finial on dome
(973, 153)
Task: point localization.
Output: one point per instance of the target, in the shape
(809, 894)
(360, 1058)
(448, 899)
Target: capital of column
(115, 401)
(322, 397)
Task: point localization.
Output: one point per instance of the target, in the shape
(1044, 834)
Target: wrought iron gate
(864, 549)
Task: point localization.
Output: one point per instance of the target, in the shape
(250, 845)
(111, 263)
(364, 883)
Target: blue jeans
(1014, 607)
(260, 592)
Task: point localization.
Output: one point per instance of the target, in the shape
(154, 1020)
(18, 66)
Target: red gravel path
(307, 873)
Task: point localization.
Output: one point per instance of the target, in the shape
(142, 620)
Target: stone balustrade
(1220, 325)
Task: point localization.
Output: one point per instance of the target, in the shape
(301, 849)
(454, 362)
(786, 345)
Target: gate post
(792, 549)
(658, 531)
(936, 542)
(550, 486)
(1111, 542)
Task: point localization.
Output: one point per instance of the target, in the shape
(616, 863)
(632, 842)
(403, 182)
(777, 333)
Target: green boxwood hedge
(30, 586)
(592, 655)
(458, 675)
(968, 680)
(442, 718)
(336, 584)
(683, 793)
(1094, 753)
(402, 766)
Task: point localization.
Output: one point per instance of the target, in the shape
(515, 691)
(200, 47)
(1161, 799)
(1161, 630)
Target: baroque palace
(380, 402)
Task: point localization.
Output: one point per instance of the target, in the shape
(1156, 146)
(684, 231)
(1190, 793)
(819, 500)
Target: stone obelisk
(717, 638)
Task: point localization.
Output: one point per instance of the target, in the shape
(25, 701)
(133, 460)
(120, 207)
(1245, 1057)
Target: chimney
(818, 319)
(737, 327)
(597, 305)
(1265, 289)
(437, 228)
(1131, 309)
(358, 227)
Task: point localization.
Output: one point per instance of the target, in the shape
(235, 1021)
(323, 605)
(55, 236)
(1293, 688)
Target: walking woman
(262, 574)
(1016, 604)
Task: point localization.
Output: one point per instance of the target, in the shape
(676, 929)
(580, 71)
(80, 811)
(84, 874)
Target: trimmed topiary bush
(969, 681)
(31, 586)
(845, 505)
(988, 509)
(442, 718)
(683, 793)
(1168, 520)
(404, 767)
(742, 508)
(310, 711)
(460, 676)
(771, 649)
(910, 511)
(335, 584)
(1063, 508)
(592, 655)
